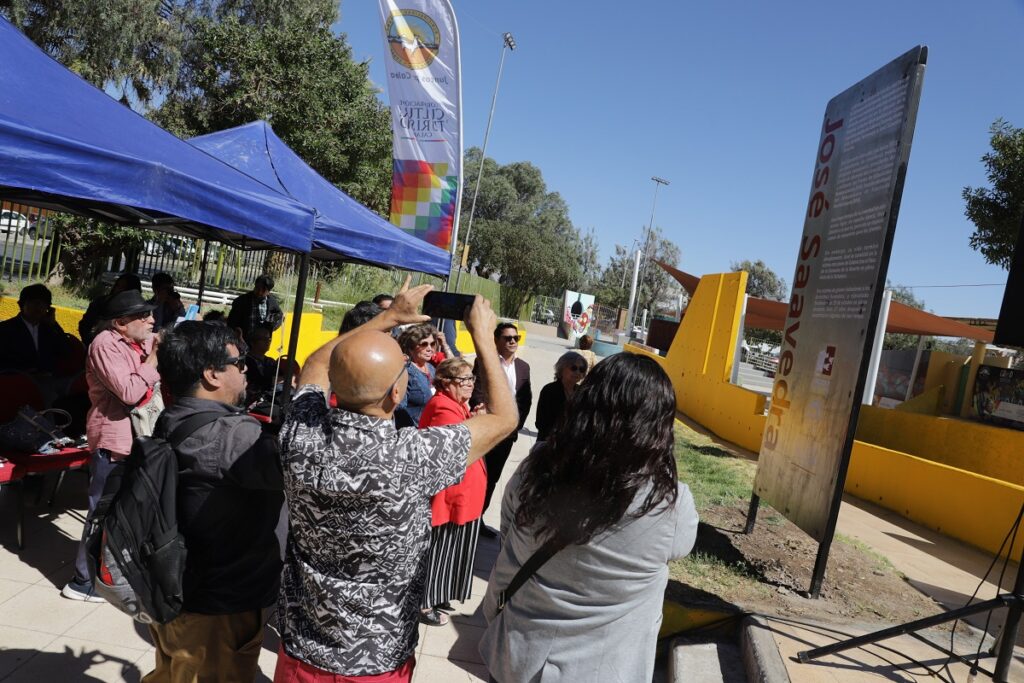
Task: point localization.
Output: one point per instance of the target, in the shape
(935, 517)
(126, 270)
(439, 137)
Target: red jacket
(463, 502)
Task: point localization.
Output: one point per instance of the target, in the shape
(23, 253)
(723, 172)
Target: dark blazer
(245, 313)
(524, 392)
(18, 353)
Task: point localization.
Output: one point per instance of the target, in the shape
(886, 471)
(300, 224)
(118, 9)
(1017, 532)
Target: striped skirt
(450, 568)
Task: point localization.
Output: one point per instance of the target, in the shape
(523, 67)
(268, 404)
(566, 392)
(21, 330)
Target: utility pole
(510, 43)
(658, 182)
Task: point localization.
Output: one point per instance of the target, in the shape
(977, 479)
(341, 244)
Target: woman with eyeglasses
(419, 345)
(601, 508)
(455, 511)
(570, 370)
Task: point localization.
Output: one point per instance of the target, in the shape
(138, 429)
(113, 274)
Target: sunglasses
(390, 388)
(237, 361)
(427, 343)
(578, 368)
(509, 338)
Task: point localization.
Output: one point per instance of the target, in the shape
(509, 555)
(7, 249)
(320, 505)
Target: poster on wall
(849, 223)
(999, 397)
(577, 315)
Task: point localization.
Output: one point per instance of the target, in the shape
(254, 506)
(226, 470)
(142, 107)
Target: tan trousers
(203, 648)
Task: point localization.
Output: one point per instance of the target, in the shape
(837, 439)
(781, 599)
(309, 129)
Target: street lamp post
(510, 43)
(658, 182)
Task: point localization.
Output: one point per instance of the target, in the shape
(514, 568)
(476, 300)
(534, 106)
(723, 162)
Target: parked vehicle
(14, 223)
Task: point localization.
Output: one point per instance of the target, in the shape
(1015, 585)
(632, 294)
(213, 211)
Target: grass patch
(715, 476)
(714, 575)
(881, 561)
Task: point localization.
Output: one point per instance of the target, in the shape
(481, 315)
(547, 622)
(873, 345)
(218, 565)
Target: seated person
(124, 282)
(32, 341)
(214, 316)
(167, 301)
(360, 314)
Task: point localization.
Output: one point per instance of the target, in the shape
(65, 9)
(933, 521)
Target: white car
(13, 222)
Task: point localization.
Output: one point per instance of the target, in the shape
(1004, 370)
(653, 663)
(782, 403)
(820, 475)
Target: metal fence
(27, 240)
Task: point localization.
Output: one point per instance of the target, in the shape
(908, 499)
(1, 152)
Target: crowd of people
(359, 518)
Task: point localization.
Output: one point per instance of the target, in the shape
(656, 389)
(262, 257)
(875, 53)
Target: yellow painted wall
(983, 449)
(973, 508)
(699, 362)
(67, 318)
(927, 402)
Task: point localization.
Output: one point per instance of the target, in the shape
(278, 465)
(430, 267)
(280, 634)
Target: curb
(761, 657)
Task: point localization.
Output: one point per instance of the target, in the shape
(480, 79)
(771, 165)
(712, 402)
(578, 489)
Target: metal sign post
(849, 223)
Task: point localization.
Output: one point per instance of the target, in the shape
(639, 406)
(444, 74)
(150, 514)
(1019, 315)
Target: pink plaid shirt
(118, 381)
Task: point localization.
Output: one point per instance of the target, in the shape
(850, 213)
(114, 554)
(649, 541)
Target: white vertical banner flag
(421, 38)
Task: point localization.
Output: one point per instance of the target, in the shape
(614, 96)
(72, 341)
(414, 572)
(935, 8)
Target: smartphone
(447, 305)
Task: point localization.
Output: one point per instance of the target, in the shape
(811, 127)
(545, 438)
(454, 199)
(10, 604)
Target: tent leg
(293, 338)
(202, 273)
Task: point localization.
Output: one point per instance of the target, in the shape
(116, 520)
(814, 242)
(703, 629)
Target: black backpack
(136, 555)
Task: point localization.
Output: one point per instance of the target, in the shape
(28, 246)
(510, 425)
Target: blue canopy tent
(344, 229)
(68, 146)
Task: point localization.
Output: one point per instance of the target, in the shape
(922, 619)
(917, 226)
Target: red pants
(291, 670)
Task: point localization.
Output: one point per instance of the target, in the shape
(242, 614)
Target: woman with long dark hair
(603, 495)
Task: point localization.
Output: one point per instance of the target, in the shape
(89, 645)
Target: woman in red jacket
(456, 510)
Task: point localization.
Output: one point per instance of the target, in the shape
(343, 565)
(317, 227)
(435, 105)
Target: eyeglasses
(390, 388)
(509, 338)
(578, 368)
(464, 381)
(427, 343)
(237, 361)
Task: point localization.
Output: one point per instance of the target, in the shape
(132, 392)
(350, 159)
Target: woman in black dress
(570, 370)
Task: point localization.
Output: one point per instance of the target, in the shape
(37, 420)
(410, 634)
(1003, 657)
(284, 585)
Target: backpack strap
(536, 561)
(192, 424)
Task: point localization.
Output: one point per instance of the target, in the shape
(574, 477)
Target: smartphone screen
(447, 305)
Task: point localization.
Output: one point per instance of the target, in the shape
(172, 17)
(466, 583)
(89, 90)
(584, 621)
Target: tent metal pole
(876, 349)
(293, 338)
(202, 273)
(917, 366)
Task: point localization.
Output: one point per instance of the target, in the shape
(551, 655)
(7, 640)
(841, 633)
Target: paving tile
(430, 669)
(18, 645)
(470, 612)
(457, 641)
(8, 589)
(109, 625)
(72, 659)
(41, 608)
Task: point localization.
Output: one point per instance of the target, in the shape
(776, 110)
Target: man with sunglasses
(517, 375)
(359, 492)
(121, 372)
(230, 496)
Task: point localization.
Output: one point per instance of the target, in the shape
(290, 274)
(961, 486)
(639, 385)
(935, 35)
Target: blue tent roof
(344, 228)
(67, 145)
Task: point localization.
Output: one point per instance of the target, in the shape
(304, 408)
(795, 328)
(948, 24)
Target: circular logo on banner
(413, 37)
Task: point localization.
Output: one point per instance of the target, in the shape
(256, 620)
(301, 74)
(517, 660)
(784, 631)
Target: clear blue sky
(725, 100)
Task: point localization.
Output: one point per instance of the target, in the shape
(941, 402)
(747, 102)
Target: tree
(762, 282)
(280, 62)
(131, 46)
(996, 211)
(521, 232)
(654, 285)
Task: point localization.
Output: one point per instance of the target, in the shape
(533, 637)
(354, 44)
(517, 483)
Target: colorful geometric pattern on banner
(421, 41)
(423, 200)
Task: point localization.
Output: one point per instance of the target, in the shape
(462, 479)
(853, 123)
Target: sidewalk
(44, 637)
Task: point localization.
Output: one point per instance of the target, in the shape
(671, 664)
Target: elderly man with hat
(121, 373)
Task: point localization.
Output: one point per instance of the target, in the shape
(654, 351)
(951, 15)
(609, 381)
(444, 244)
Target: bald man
(359, 493)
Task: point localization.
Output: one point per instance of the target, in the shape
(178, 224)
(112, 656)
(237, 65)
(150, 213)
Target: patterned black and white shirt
(358, 495)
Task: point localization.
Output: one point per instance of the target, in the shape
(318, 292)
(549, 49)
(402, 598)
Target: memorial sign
(860, 166)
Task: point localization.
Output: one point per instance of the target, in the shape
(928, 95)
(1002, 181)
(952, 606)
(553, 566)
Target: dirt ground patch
(769, 571)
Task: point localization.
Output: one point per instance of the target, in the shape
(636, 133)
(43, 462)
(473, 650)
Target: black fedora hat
(126, 303)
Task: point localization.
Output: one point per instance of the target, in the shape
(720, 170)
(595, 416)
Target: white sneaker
(81, 592)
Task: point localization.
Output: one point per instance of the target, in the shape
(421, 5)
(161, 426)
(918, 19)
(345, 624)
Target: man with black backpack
(229, 499)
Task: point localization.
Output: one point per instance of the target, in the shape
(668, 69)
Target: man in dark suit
(255, 308)
(32, 341)
(506, 339)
